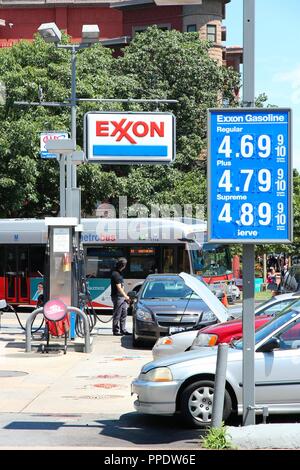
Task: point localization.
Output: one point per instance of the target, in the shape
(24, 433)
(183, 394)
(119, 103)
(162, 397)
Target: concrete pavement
(73, 383)
(266, 436)
(78, 400)
(86, 400)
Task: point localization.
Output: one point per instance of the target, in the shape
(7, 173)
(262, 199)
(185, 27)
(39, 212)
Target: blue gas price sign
(249, 175)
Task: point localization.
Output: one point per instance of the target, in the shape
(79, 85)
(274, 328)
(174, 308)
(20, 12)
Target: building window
(212, 32)
(191, 28)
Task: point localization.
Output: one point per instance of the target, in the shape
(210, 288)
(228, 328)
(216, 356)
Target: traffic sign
(129, 138)
(249, 175)
(50, 136)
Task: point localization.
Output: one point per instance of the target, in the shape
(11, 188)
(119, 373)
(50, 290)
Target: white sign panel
(45, 137)
(126, 138)
(61, 240)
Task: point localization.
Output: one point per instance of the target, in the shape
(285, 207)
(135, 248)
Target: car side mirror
(270, 345)
(132, 295)
(3, 304)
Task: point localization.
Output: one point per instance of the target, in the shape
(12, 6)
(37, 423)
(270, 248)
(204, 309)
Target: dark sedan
(165, 304)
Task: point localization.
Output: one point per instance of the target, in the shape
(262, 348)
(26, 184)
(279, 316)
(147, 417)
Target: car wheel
(197, 401)
(136, 341)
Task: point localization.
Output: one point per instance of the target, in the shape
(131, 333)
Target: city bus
(150, 246)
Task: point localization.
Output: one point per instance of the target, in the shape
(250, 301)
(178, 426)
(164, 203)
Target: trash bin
(258, 283)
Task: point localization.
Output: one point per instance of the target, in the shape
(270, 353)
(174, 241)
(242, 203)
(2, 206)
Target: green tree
(157, 64)
(29, 186)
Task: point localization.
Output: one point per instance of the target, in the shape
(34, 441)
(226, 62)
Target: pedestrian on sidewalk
(119, 299)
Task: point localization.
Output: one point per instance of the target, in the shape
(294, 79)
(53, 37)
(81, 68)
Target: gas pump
(61, 277)
(65, 271)
(61, 239)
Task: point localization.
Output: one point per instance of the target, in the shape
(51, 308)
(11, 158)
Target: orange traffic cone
(225, 300)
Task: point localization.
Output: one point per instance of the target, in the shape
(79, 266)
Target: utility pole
(248, 249)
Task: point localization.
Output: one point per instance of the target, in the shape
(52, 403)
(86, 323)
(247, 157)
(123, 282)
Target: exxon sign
(129, 138)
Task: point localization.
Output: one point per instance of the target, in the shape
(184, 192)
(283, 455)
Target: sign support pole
(62, 185)
(248, 250)
(248, 335)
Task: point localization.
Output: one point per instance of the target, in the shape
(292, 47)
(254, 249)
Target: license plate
(176, 329)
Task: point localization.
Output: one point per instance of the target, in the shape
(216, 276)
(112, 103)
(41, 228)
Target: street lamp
(90, 35)
(50, 32)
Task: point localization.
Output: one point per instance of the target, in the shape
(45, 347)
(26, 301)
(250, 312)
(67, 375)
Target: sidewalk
(266, 436)
(73, 383)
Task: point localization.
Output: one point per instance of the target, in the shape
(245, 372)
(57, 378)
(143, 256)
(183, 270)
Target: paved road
(81, 400)
(129, 430)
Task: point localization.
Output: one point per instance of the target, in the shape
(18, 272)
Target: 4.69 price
(264, 214)
(249, 146)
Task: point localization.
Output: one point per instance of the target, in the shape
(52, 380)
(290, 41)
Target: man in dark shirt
(119, 298)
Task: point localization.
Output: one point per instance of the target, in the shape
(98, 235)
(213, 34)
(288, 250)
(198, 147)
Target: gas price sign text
(249, 175)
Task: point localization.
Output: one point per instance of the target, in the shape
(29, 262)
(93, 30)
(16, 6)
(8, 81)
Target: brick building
(118, 20)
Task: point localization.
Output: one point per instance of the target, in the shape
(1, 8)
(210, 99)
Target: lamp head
(50, 32)
(90, 33)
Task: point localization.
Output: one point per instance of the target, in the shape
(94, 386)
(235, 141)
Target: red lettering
(160, 131)
(102, 128)
(104, 237)
(119, 127)
(143, 132)
(122, 128)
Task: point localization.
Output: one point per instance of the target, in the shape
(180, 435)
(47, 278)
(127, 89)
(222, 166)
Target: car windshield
(262, 332)
(274, 308)
(167, 288)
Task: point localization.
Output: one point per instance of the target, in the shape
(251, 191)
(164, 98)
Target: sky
(277, 54)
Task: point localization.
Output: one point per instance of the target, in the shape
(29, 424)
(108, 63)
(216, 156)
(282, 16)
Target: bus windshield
(211, 260)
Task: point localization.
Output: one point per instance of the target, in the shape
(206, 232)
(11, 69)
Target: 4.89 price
(247, 214)
(264, 214)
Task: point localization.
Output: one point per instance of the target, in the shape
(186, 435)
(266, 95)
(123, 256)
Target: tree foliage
(157, 64)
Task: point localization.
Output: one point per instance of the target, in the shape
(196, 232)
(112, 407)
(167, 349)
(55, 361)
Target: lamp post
(90, 35)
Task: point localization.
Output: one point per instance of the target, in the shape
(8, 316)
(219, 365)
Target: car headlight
(143, 315)
(204, 340)
(160, 374)
(208, 317)
(164, 340)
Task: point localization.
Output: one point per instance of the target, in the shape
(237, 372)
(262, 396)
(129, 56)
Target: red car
(224, 332)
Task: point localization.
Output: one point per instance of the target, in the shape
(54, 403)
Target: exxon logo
(129, 130)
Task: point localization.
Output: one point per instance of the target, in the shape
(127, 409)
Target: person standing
(119, 299)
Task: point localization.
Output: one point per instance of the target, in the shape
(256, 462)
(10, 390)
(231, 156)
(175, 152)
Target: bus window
(169, 262)
(212, 260)
(143, 260)
(183, 260)
(101, 261)
(36, 260)
(2, 281)
(2, 258)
